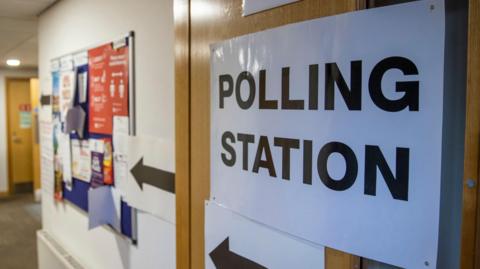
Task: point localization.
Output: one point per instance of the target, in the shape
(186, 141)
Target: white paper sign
(67, 92)
(254, 6)
(120, 171)
(151, 162)
(46, 160)
(331, 130)
(46, 139)
(81, 159)
(120, 134)
(229, 235)
(66, 155)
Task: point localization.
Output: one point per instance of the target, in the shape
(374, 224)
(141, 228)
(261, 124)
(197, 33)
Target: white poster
(46, 158)
(81, 159)
(232, 241)
(331, 130)
(254, 6)
(150, 184)
(47, 176)
(46, 139)
(66, 156)
(67, 92)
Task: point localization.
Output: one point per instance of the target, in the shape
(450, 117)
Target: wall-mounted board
(110, 80)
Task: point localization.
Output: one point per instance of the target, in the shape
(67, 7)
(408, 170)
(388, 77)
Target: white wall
(7, 73)
(72, 25)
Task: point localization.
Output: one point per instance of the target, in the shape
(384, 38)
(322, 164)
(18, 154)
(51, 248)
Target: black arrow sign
(152, 176)
(223, 258)
(45, 100)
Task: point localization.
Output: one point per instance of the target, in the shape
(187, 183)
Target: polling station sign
(331, 130)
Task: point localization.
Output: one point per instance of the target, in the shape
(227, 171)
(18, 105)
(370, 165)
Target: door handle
(17, 140)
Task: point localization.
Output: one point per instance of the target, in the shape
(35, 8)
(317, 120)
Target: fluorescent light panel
(13, 62)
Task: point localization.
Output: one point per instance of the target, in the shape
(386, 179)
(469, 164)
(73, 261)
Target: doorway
(20, 135)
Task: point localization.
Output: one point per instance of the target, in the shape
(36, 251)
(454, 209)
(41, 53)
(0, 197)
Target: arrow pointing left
(152, 176)
(224, 258)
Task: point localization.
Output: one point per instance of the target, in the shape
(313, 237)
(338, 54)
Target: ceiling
(18, 30)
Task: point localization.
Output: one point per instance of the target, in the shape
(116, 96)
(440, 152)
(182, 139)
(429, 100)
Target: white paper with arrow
(233, 241)
(150, 184)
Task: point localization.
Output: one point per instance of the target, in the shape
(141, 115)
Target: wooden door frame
(182, 133)
(470, 252)
(10, 189)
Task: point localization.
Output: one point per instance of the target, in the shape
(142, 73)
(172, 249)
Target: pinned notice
(341, 120)
(75, 120)
(233, 241)
(108, 87)
(81, 159)
(151, 181)
(102, 209)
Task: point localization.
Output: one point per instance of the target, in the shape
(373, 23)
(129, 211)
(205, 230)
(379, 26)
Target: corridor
(20, 218)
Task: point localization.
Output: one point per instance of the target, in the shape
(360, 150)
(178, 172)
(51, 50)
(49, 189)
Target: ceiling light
(13, 62)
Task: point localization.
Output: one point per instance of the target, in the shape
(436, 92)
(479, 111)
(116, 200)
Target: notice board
(92, 87)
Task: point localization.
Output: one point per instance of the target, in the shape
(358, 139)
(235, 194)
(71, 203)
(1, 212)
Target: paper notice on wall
(46, 140)
(97, 149)
(231, 235)
(67, 91)
(25, 119)
(255, 6)
(339, 123)
(75, 120)
(120, 134)
(81, 159)
(120, 171)
(82, 86)
(80, 59)
(102, 209)
(117, 203)
(57, 156)
(66, 155)
(108, 87)
(150, 184)
(120, 146)
(55, 100)
(47, 176)
(46, 152)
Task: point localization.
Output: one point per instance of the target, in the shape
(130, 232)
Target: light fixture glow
(13, 62)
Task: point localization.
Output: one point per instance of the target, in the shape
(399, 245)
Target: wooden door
(19, 132)
(199, 23)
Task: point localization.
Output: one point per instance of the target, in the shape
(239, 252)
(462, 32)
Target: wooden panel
(182, 131)
(35, 100)
(337, 259)
(470, 224)
(212, 21)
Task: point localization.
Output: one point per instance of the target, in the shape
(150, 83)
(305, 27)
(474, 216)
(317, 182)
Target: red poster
(108, 87)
